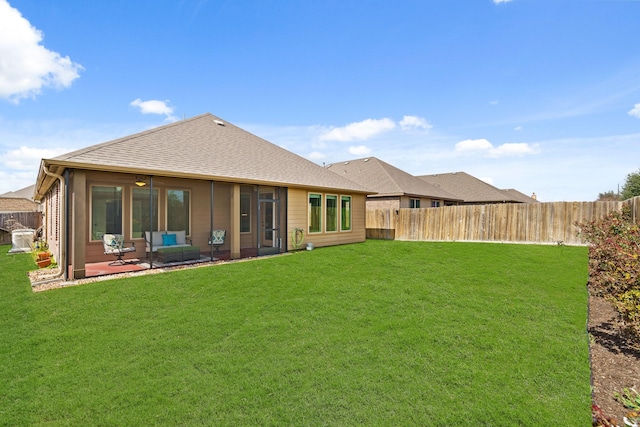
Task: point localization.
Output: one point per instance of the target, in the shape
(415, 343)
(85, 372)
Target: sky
(538, 95)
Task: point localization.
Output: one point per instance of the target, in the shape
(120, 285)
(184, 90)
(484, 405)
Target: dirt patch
(615, 360)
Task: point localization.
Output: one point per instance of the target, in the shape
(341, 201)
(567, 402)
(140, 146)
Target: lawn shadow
(607, 335)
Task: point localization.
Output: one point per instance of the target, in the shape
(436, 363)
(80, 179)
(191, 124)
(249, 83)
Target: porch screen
(178, 205)
(106, 211)
(332, 213)
(315, 213)
(345, 209)
(140, 216)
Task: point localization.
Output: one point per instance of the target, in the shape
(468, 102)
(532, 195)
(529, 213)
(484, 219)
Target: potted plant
(42, 263)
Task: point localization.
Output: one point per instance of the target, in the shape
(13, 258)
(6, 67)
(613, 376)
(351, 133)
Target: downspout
(64, 208)
(211, 219)
(151, 221)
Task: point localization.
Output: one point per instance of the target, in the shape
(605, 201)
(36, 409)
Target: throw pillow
(168, 239)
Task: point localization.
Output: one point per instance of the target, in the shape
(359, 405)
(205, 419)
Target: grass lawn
(379, 333)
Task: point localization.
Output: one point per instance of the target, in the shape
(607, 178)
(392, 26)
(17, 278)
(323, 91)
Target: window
(345, 213)
(315, 213)
(435, 203)
(245, 212)
(331, 219)
(178, 210)
(140, 217)
(106, 211)
(414, 203)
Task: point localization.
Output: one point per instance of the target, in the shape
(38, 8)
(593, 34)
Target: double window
(336, 216)
(414, 203)
(107, 216)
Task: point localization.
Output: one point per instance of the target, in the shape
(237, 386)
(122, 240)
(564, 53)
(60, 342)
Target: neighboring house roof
(203, 147)
(387, 180)
(469, 188)
(12, 204)
(23, 193)
(520, 196)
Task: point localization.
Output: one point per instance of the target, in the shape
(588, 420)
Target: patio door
(269, 241)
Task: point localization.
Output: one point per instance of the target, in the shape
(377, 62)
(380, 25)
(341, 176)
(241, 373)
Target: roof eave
(62, 165)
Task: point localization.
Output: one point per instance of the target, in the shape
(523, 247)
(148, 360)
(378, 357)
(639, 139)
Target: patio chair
(114, 244)
(217, 239)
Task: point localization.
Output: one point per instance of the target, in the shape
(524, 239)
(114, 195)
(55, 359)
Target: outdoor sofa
(171, 246)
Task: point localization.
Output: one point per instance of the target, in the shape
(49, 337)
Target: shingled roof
(387, 180)
(520, 196)
(203, 147)
(23, 193)
(469, 188)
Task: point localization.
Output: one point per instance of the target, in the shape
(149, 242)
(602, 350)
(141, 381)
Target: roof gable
(205, 147)
(386, 179)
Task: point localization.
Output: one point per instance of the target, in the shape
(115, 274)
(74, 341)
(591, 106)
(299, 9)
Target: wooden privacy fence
(510, 222)
(13, 220)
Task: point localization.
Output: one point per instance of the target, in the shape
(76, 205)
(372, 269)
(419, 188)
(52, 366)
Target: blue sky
(538, 95)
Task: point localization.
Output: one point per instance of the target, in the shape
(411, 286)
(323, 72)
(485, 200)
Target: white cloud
(27, 158)
(505, 150)
(414, 122)
(635, 111)
(360, 150)
(316, 155)
(518, 128)
(474, 145)
(27, 66)
(155, 107)
(359, 131)
(501, 1)
(486, 179)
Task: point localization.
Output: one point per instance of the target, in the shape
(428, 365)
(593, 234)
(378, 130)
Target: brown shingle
(468, 188)
(206, 147)
(387, 180)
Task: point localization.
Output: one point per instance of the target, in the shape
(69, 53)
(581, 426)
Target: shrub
(614, 264)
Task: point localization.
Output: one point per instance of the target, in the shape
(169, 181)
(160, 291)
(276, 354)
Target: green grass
(380, 333)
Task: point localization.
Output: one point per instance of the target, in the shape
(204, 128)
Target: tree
(608, 196)
(631, 187)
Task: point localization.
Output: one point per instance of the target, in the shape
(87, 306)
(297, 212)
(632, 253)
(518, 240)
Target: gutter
(63, 224)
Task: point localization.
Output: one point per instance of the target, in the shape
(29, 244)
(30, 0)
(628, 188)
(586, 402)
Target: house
(18, 210)
(472, 190)
(518, 195)
(394, 187)
(196, 175)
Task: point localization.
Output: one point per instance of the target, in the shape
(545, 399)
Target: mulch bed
(615, 360)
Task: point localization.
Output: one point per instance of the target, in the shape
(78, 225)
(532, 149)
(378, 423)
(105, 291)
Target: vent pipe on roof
(219, 122)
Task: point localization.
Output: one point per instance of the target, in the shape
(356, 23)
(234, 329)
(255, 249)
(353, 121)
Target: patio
(106, 268)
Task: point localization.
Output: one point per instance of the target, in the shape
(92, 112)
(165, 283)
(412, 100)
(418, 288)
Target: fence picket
(512, 222)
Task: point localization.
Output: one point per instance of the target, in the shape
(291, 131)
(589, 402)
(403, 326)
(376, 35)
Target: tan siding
(298, 219)
(200, 214)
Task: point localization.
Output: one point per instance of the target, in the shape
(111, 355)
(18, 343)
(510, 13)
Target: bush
(614, 267)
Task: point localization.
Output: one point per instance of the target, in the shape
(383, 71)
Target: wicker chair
(114, 244)
(217, 239)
